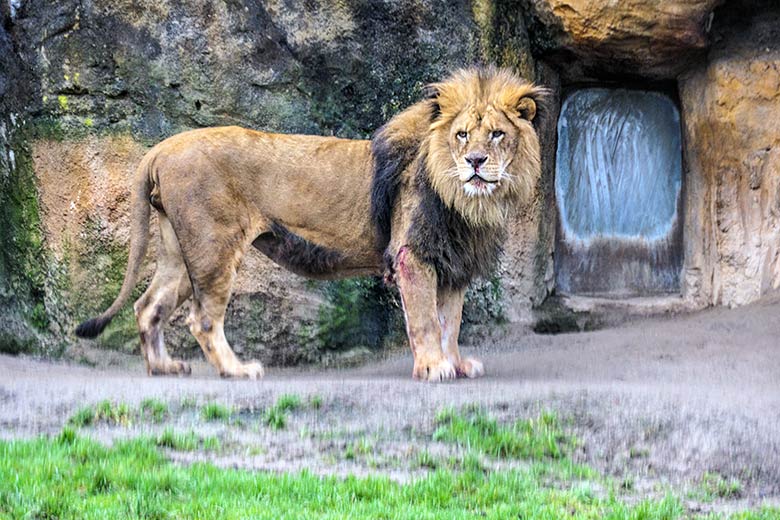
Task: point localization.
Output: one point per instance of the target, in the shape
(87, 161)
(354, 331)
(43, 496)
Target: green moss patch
(358, 312)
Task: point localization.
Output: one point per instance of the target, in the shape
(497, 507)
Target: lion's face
(482, 147)
(483, 152)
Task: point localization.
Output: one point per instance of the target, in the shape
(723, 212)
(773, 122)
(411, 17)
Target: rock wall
(108, 79)
(731, 110)
(601, 39)
(23, 316)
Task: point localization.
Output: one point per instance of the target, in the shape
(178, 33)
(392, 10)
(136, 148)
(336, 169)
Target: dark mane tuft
(441, 237)
(394, 147)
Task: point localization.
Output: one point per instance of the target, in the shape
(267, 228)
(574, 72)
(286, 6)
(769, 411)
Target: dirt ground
(656, 401)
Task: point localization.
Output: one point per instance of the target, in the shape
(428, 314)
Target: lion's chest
(458, 251)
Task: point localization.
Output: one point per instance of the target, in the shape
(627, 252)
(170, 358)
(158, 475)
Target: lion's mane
(460, 236)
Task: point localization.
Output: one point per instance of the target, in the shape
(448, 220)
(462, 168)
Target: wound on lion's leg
(403, 267)
(417, 284)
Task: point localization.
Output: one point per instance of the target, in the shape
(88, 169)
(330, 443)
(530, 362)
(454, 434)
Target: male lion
(426, 202)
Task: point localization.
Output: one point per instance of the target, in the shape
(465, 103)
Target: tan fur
(218, 190)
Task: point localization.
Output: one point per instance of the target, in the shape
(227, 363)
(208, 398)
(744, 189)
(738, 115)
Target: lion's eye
(462, 134)
(497, 134)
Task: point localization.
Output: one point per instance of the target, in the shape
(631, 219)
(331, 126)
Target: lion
(425, 203)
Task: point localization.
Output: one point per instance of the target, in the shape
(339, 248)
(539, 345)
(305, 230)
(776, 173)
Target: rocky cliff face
(108, 79)
(88, 85)
(23, 317)
(731, 105)
(643, 38)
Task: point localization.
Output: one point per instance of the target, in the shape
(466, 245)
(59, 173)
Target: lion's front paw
(471, 368)
(434, 370)
(170, 367)
(251, 370)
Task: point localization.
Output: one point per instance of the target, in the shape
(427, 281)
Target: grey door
(617, 186)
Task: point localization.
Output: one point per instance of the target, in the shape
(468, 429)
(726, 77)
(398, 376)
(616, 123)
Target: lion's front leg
(417, 283)
(450, 307)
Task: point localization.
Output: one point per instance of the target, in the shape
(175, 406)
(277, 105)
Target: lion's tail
(139, 240)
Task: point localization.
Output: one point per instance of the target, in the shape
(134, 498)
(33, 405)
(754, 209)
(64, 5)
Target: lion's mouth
(477, 178)
(478, 185)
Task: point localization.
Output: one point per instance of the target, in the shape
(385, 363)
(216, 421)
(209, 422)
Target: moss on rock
(25, 285)
(357, 313)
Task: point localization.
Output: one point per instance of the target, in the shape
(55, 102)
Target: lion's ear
(526, 108)
(431, 90)
(526, 101)
(431, 93)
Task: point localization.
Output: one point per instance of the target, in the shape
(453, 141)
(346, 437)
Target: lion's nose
(476, 159)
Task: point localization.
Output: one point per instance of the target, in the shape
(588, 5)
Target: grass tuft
(83, 417)
(67, 436)
(188, 441)
(426, 460)
(535, 438)
(105, 411)
(715, 485)
(155, 410)
(216, 412)
(288, 402)
(275, 417)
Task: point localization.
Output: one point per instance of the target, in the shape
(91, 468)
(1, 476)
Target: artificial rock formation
(600, 38)
(731, 113)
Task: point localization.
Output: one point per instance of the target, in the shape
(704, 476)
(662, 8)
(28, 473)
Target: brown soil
(656, 401)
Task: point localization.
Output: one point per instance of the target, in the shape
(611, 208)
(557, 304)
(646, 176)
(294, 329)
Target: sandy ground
(656, 401)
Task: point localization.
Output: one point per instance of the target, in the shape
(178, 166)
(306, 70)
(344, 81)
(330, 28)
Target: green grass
(74, 477)
(426, 460)
(216, 412)
(187, 441)
(275, 417)
(288, 402)
(117, 414)
(713, 486)
(155, 410)
(84, 416)
(535, 438)
(361, 448)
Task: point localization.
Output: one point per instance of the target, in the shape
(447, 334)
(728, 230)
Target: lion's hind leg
(450, 308)
(170, 287)
(212, 277)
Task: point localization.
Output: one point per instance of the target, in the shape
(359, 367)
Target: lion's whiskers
(452, 172)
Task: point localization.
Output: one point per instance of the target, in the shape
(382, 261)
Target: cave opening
(618, 190)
